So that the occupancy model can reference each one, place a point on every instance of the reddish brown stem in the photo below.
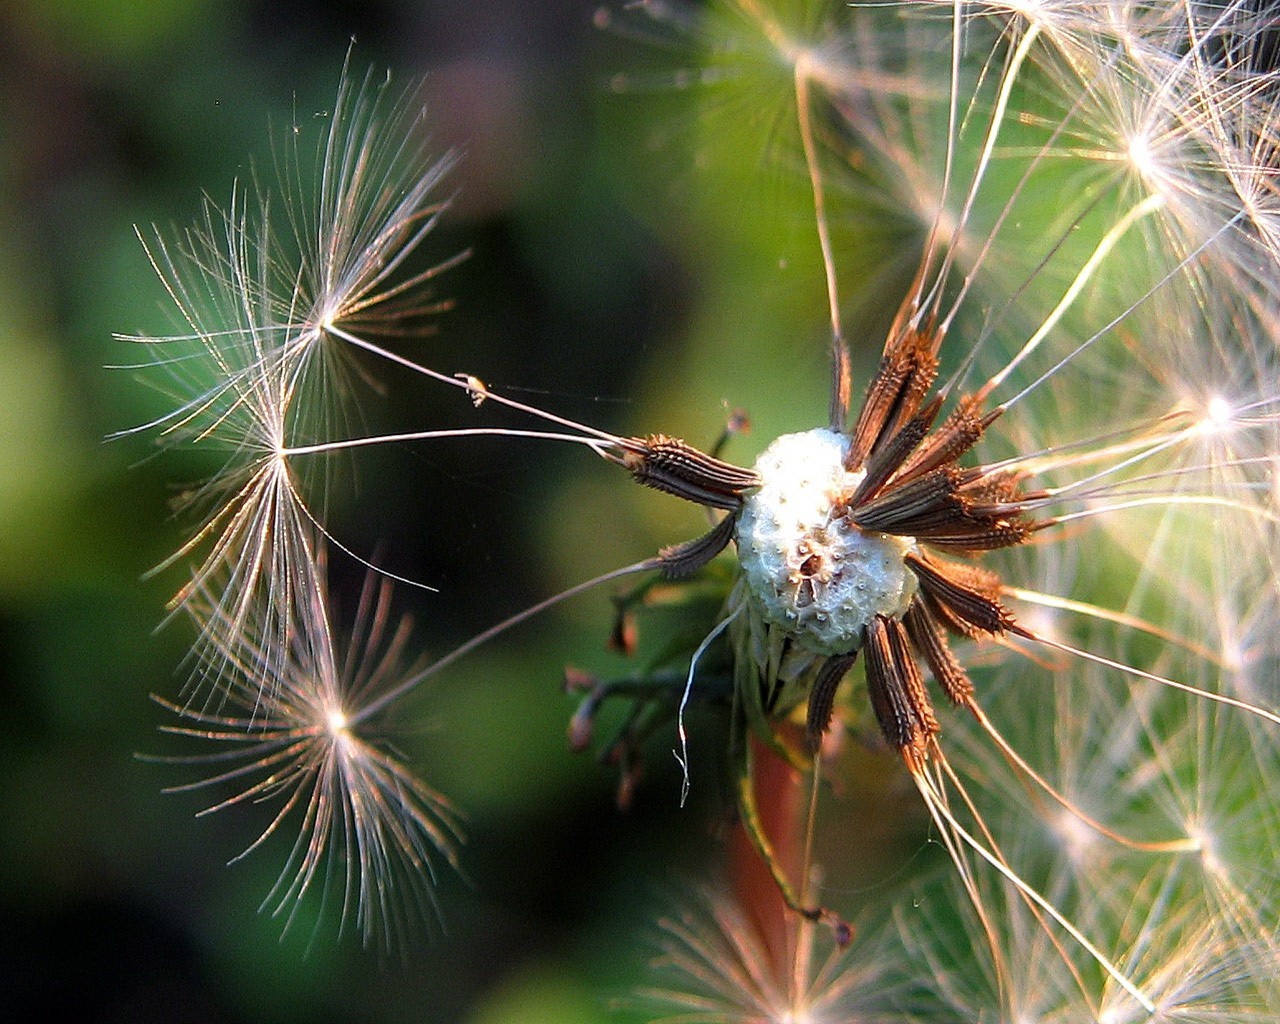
(780, 798)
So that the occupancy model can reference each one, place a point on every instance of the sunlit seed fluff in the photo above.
(811, 571)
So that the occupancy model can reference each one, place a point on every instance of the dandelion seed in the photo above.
(372, 837)
(268, 300)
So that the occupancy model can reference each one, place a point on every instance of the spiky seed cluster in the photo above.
(809, 568)
(834, 530)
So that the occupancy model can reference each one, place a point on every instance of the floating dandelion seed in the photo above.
(268, 298)
(274, 322)
(307, 741)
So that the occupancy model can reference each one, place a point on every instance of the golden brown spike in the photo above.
(968, 592)
(889, 456)
(959, 432)
(909, 510)
(822, 696)
(931, 644)
(895, 394)
(897, 691)
(671, 465)
(682, 560)
(982, 536)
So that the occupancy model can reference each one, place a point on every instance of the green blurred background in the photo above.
(632, 266)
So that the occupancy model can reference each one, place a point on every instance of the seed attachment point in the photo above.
(810, 569)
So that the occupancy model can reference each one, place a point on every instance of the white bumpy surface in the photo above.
(813, 573)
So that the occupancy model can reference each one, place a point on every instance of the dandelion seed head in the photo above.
(713, 965)
(811, 571)
(1163, 319)
(305, 718)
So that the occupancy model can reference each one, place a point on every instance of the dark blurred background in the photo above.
(611, 279)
